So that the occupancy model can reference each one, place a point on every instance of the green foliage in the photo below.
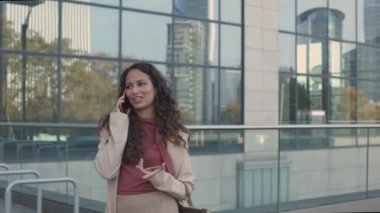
(88, 88)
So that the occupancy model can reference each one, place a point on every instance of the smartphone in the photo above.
(126, 105)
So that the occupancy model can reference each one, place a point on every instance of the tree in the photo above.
(230, 114)
(88, 88)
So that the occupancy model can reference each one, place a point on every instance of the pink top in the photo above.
(130, 177)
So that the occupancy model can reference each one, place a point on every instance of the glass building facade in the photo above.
(331, 74)
(60, 60)
(241, 67)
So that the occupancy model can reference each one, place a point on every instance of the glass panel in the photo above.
(11, 87)
(33, 28)
(287, 15)
(287, 100)
(368, 62)
(368, 18)
(230, 46)
(161, 67)
(312, 17)
(231, 11)
(39, 98)
(231, 88)
(188, 88)
(196, 91)
(310, 55)
(342, 19)
(302, 99)
(373, 168)
(342, 61)
(105, 2)
(195, 42)
(84, 84)
(138, 40)
(287, 53)
(160, 6)
(208, 142)
(368, 96)
(310, 100)
(348, 162)
(27, 144)
(197, 8)
(89, 30)
(342, 100)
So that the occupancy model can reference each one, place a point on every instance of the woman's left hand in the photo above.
(149, 171)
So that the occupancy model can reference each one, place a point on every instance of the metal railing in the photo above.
(362, 132)
(8, 191)
(4, 166)
(25, 172)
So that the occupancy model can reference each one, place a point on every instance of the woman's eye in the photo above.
(128, 87)
(141, 84)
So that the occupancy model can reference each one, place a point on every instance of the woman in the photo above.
(143, 146)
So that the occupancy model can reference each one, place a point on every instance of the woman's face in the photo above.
(139, 90)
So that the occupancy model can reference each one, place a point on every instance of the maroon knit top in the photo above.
(154, 153)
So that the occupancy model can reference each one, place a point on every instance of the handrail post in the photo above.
(367, 165)
(8, 191)
(24, 172)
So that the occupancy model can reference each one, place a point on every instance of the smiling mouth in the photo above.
(137, 100)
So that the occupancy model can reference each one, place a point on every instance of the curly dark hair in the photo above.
(166, 112)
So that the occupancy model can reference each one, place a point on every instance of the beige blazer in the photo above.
(108, 160)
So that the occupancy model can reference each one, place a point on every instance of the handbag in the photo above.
(190, 208)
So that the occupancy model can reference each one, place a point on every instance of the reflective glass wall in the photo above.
(329, 60)
(60, 59)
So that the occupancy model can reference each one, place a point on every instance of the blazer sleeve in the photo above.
(164, 181)
(111, 146)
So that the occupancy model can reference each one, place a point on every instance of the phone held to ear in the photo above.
(125, 105)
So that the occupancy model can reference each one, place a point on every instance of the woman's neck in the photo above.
(145, 114)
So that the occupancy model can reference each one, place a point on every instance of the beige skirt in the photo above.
(152, 202)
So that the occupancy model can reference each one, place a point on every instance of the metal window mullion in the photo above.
(120, 49)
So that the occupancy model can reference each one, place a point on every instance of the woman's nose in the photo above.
(135, 90)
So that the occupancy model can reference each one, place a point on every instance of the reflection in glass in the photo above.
(342, 15)
(187, 83)
(368, 62)
(207, 142)
(145, 36)
(105, 2)
(89, 30)
(159, 6)
(287, 53)
(231, 11)
(287, 15)
(188, 42)
(302, 99)
(368, 19)
(30, 28)
(196, 90)
(367, 94)
(230, 100)
(312, 17)
(194, 42)
(34, 100)
(310, 55)
(197, 8)
(342, 100)
(287, 99)
(84, 83)
(367, 101)
(342, 59)
(229, 50)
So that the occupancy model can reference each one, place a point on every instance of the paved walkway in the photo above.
(15, 208)
(368, 205)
